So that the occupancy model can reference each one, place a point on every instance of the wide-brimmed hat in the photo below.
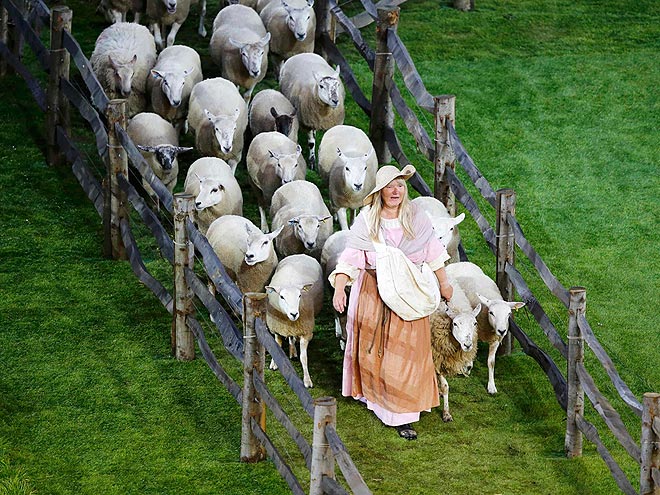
(387, 174)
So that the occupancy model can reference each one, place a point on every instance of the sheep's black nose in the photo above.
(357, 187)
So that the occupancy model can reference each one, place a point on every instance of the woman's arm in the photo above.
(339, 297)
(446, 290)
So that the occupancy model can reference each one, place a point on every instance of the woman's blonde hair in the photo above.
(405, 214)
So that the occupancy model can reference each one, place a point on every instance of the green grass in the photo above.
(555, 99)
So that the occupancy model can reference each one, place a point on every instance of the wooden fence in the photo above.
(20, 23)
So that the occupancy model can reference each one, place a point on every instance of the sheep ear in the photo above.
(339, 153)
(274, 234)
(451, 312)
(209, 115)
(459, 218)
(483, 300)
(264, 41)
(156, 74)
(182, 149)
(323, 219)
(187, 72)
(237, 113)
(368, 154)
(270, 289)
(134, 59)
(199, 178)
(149, 149)
(476, 310)
(306, 287)
(235, 43)
(516, 305)
(310, 3)
(247, 228)
(316, 76)
(274, 155)
(298, 151)
(273, 112)
(294, 221)
(295, 111)
(337, 69)
(112, 62)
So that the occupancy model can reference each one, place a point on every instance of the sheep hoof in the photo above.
(273, 366)
(308, 383)
(446, 417)
(492, 390)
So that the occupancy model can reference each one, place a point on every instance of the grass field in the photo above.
(555, 99)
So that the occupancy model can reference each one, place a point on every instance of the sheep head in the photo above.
(499, 312)
(252, 54)
(328, 89)
(464, 326)
(123, 73)
(306, 228)
(165, 153)
(298, 19)
(224, 127)
(170, 6)
(444, 227)
(259, 246)
(287, 298)
(355, 168)
(283, 121)
(211, 192)
(286, 165)
(172, 83)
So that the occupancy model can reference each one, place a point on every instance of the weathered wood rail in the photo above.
(443, 152)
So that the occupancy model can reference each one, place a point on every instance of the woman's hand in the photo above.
(339, 300)
(446, 291)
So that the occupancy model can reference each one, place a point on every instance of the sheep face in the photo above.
(224, 127)
(498, 313)
(444, 227)
(355, 169)
(297, 19)
(283, 121)
(286, 165)
(327, 89)
(464, 326)
(306, 228)
(165, 153)
(171, 84)
(123, 72)
(287, 299)
(259, 245)
(252, 54)
(170, 6)
(211, 192)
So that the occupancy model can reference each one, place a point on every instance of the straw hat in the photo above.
(387, 174)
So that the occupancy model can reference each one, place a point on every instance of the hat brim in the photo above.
(387, 174)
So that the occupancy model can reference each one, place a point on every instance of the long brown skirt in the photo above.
(392, 361)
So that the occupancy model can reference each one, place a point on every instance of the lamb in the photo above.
(453, 341)
(176, 72)
(218, 116)
(272, 160)
(444, 226)
(159, 143)
(295, 297)
(216, 191)
(316, 92)
(493, 319)
(330, 254)
(123, 55)
(307, 222)
(247, 254)
(292, 24)
(239, 45)
(117, 10)
(348, 164)
(164, 14)
(270, 110)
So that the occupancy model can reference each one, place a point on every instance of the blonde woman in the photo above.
(387, 361)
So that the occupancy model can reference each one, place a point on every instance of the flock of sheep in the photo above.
(290, 258)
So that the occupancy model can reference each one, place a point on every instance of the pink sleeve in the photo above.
(435, 250)
(354, 257)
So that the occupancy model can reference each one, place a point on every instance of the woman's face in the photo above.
(392, 194)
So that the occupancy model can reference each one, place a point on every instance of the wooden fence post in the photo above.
(183, 340)
(506, 203)
(575, 407)
(4, 38)
(254, 359)
(323, 460)
(445, 109)
(650, 449)
(382, 114)
(60, 21)
(58, 70)
(115, 198)
(325, 24)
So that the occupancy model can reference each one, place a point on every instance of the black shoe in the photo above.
(406, 431)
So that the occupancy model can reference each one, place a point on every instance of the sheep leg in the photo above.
(233, 163)
(155, 30)
(292, 348)
(341, 218)
(492, 350)
(248, 94)
(304, 342)
(262, 218)
(311, 142)
(273, 365)
(172, 36)
(444, 391)
(136, 18)
(202, 14)
(115, 16)
(339, 332)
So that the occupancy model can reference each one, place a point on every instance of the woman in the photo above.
(387, 361)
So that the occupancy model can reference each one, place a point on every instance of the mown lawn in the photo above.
(555, 99)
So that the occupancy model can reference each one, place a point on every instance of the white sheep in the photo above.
(495, 311)
(295, 297)
(272, 160)
(176, 72)
(270, 110)
(217, 114)
(247, 254)
(348, 164)
(123, 55)
(453, 341)
(239, 45)
(317, 93)
(307, 221)
(248, 3)
(164, 14)
(261, 4)
(330, 254)
(444, 225)
(211, 181)
(159, 144)
(117, 10)
(292, 25)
